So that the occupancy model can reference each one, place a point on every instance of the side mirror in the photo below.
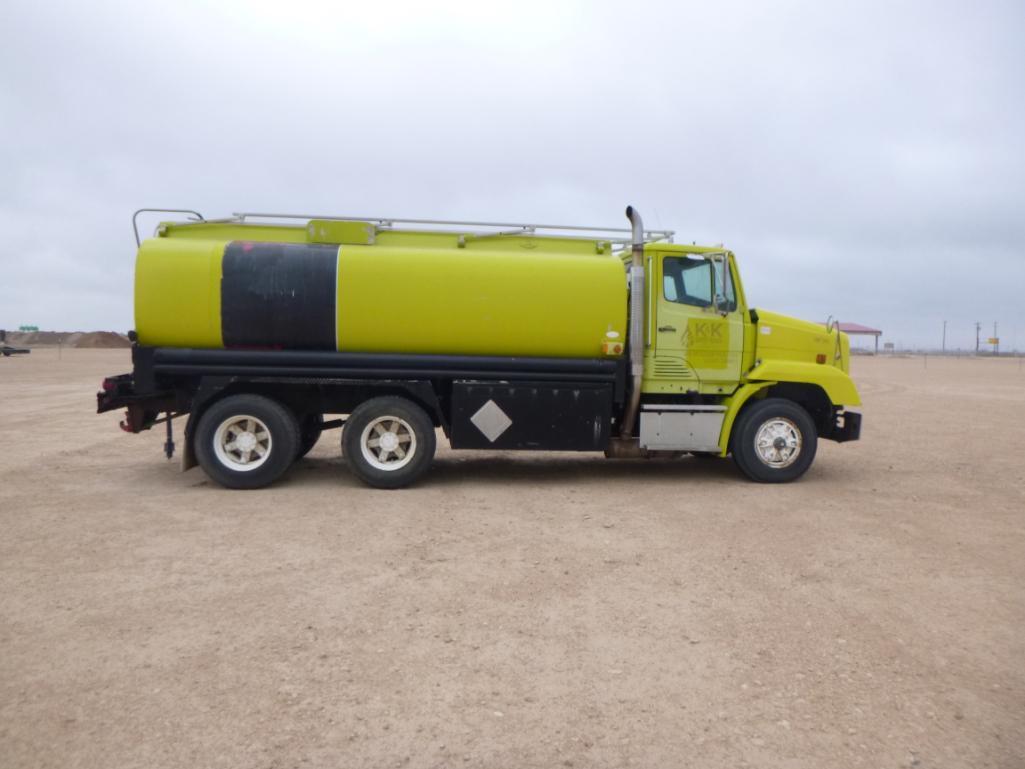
(720, 302)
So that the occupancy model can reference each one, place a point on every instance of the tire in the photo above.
(231, 422)
(310, 428)
(414, 441)
(779, 426)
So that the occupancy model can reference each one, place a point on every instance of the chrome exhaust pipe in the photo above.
(636, 322)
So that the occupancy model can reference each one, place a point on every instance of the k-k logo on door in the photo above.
(708, 344)
(706, 331)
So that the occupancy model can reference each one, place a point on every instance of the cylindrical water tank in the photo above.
(520, 300)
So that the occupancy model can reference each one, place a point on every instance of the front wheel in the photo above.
(388, 442)
(246, 441)
(774, 441)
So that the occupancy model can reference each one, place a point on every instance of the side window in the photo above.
(697, 282)
(687, 280)
(669, 283)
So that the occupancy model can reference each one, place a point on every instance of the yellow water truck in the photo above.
(503, 336)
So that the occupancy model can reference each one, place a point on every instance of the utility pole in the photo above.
(996, 340)
(978, 328)
(944, 337)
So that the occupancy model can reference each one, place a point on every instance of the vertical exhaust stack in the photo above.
(636, 322)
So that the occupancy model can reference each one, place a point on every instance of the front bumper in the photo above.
(847, 427)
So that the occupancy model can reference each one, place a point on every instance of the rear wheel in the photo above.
(246, 441)
(774, 441)
(388, 442)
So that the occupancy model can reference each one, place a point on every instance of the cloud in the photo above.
(863, 160)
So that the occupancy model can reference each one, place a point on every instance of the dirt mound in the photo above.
(41, 338)
(91, 339)
(96, 339)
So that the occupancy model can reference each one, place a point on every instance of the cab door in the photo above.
(697, 319)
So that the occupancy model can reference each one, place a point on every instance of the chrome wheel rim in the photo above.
(388, 443)
(242, 442)
(778, 443)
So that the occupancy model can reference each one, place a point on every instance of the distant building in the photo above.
(856, 329)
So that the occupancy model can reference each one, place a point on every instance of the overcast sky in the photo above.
(864, 160)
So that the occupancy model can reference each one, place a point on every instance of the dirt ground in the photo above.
(517, 610)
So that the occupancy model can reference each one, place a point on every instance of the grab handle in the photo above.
(135, 217)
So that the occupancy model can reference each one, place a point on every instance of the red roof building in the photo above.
(856, 329)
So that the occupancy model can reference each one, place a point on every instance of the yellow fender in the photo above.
(838, 385)
(733, 406)
(839, 388)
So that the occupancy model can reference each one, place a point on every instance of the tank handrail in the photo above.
(389, 222)
(135, 217)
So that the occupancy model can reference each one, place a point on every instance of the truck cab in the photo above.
(696, 326)
(709, 357)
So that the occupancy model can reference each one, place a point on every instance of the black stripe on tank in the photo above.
(278, 295)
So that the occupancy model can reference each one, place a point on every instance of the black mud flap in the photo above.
(188, 452)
